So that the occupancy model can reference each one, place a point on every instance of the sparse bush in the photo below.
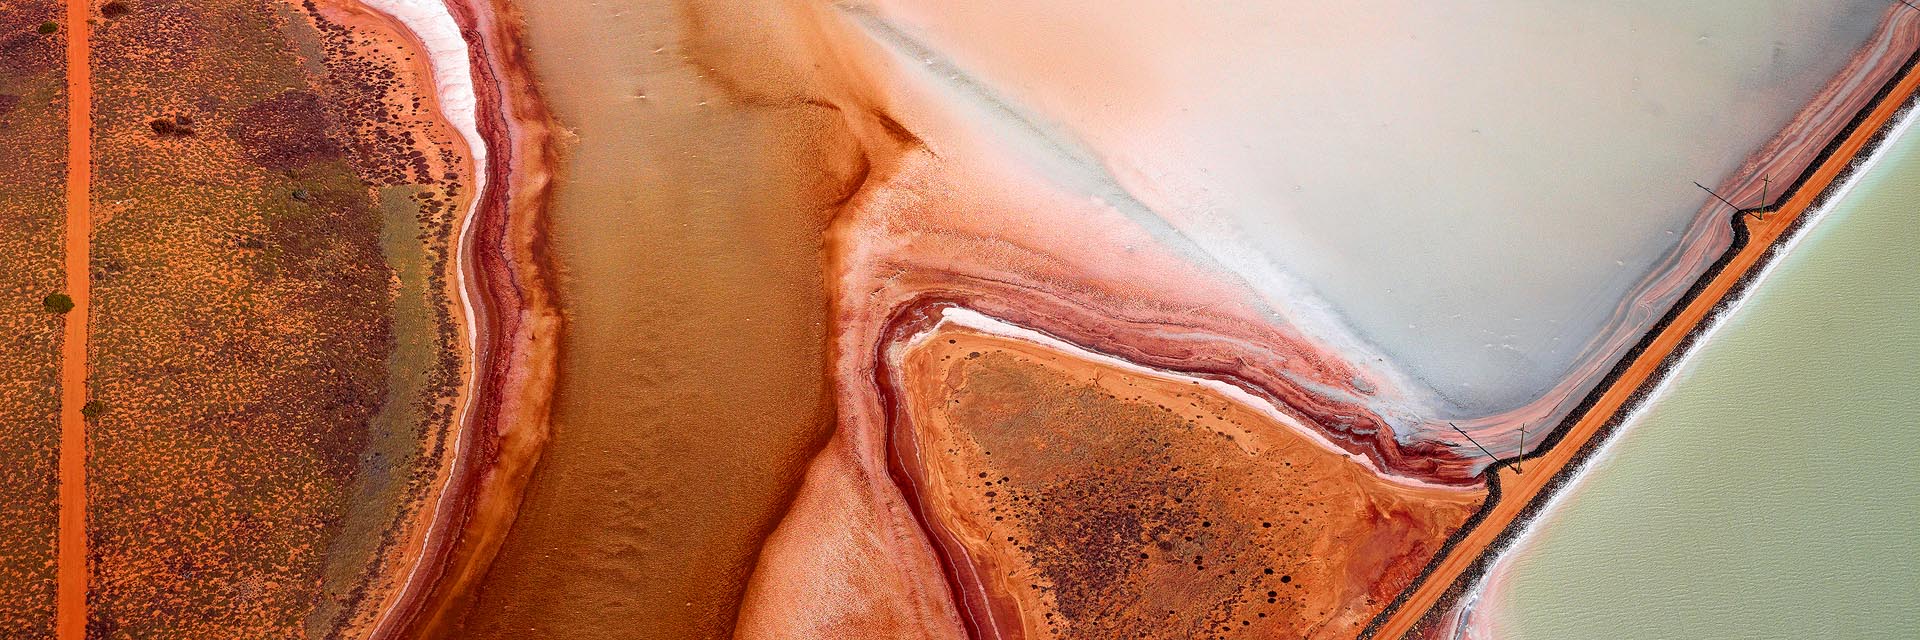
(49, 27)
(93, 408)
(57, 303)
(178, 126)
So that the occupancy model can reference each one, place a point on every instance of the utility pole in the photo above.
(1517, 459)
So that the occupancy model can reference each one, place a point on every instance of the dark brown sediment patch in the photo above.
(287, 131)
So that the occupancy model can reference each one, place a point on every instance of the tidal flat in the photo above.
(754, 191)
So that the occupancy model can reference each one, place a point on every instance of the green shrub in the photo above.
(49, 27)
(57, 303)
(93, 408)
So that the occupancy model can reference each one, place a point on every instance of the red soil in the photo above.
(1074, 498)
(936, 215)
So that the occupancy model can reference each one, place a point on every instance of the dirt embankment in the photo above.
(1764, 180)
(1760, 233)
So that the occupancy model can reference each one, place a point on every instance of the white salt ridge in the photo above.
(449, 57)
(963, 317)
(1056, 155)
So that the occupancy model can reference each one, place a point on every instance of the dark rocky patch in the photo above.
(287, 131)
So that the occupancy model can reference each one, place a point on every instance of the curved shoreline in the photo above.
(452, 99)
(512, 326)
(511, 421)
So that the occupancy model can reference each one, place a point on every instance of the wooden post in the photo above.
(1522, 456)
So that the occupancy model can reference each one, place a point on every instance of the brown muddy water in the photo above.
(686, 229)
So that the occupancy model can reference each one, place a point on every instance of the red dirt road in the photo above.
(70, 601)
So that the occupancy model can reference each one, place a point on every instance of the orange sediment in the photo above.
(70, 613)
(1189, 509)
(1519, 491)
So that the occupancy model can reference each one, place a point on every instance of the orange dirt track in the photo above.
(71, 600)
(1519, 491)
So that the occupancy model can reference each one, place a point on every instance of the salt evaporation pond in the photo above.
(1466, 194)
(1766, 496)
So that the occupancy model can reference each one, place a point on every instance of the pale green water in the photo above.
(1775, 492)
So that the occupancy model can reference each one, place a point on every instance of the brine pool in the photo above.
(1772, 493)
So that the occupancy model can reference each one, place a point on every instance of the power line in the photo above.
(1716, 196)
(1490, 456)
(1475, 442)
